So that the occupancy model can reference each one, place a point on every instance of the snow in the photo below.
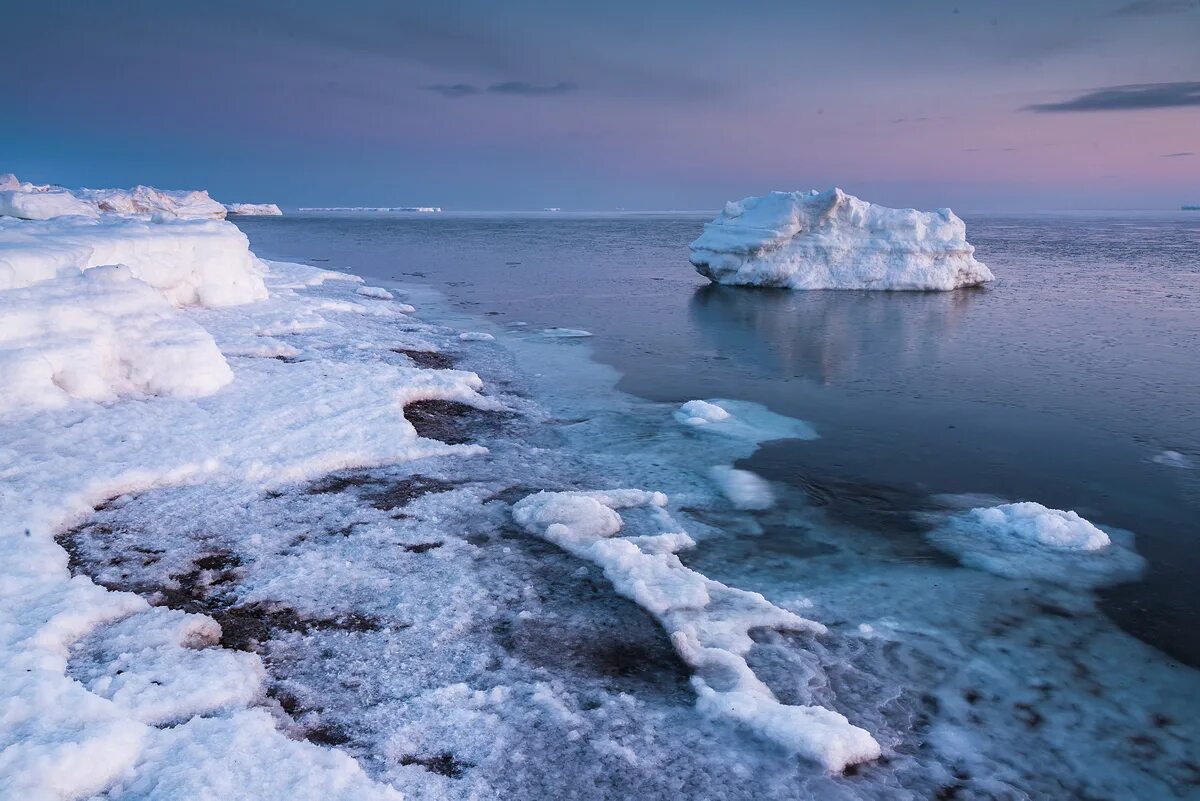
(1028, 540)
(709, 623)
(113, 380)
(197, 262)
(43, 202)
(43, 205)
(99, 335)
(159, 203)
(699, 413)
(254, 209)
(832, 240)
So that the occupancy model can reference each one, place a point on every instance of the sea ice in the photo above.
(1028, 540)
(709, 623)
(832, 240)
(744, 489)
(376, 292)
(1173, 459)
(741, 420)
(254, 209)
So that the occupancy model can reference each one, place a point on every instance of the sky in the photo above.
(668, 104)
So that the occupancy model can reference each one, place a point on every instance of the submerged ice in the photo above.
(832, 240)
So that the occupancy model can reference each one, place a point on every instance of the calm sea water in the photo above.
(1060, 383)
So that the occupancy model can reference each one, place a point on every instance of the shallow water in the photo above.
(1060, 383)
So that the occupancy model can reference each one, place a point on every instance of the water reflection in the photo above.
(828, 336)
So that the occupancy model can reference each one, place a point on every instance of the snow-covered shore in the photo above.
(385, 557)
(832, 240)
(144, 353)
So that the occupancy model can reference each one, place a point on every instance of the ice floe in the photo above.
(1028, 540)
(832, 240)
(741, 420)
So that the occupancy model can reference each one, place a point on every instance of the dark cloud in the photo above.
(1177, 155)
(520, 88)
(523, 88)
(1153, 8)
(454, 89)
(1128, 98)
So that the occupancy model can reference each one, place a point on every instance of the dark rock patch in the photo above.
(444, 764)
(429, 359)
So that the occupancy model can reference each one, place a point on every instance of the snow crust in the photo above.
(1028, 540)
(832, 240)
(709, 623)
(254, 209)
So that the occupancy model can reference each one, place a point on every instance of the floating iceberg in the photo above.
(832, 240)
(254, 209)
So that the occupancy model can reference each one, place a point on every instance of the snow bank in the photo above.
(200, 262)
(100, 335)
(708, 622)
(43, 202)
(146, 200)
(254, 209)
(1027, 540)
(127, 307)
(832, 240)
(43, 205)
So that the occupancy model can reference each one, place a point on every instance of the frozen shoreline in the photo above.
(413, 551)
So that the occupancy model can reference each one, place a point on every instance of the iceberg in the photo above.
(254, 209)
(833, 240)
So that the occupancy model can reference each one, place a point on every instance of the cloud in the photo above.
(1153, 8)
(1177, 155)
(453, 89)
(523, 88)
(1128, 98)
(519, 88)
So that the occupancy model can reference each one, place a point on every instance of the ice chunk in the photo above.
(9, 181)
(374, 292)
(709, 623)
(1028, 540)
(746, 490)
(1173, 459)
(699, 413)
(832, 240)
(475, 336)
(254, 209)
(99, 335)
(742, 420)
(565, 333)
